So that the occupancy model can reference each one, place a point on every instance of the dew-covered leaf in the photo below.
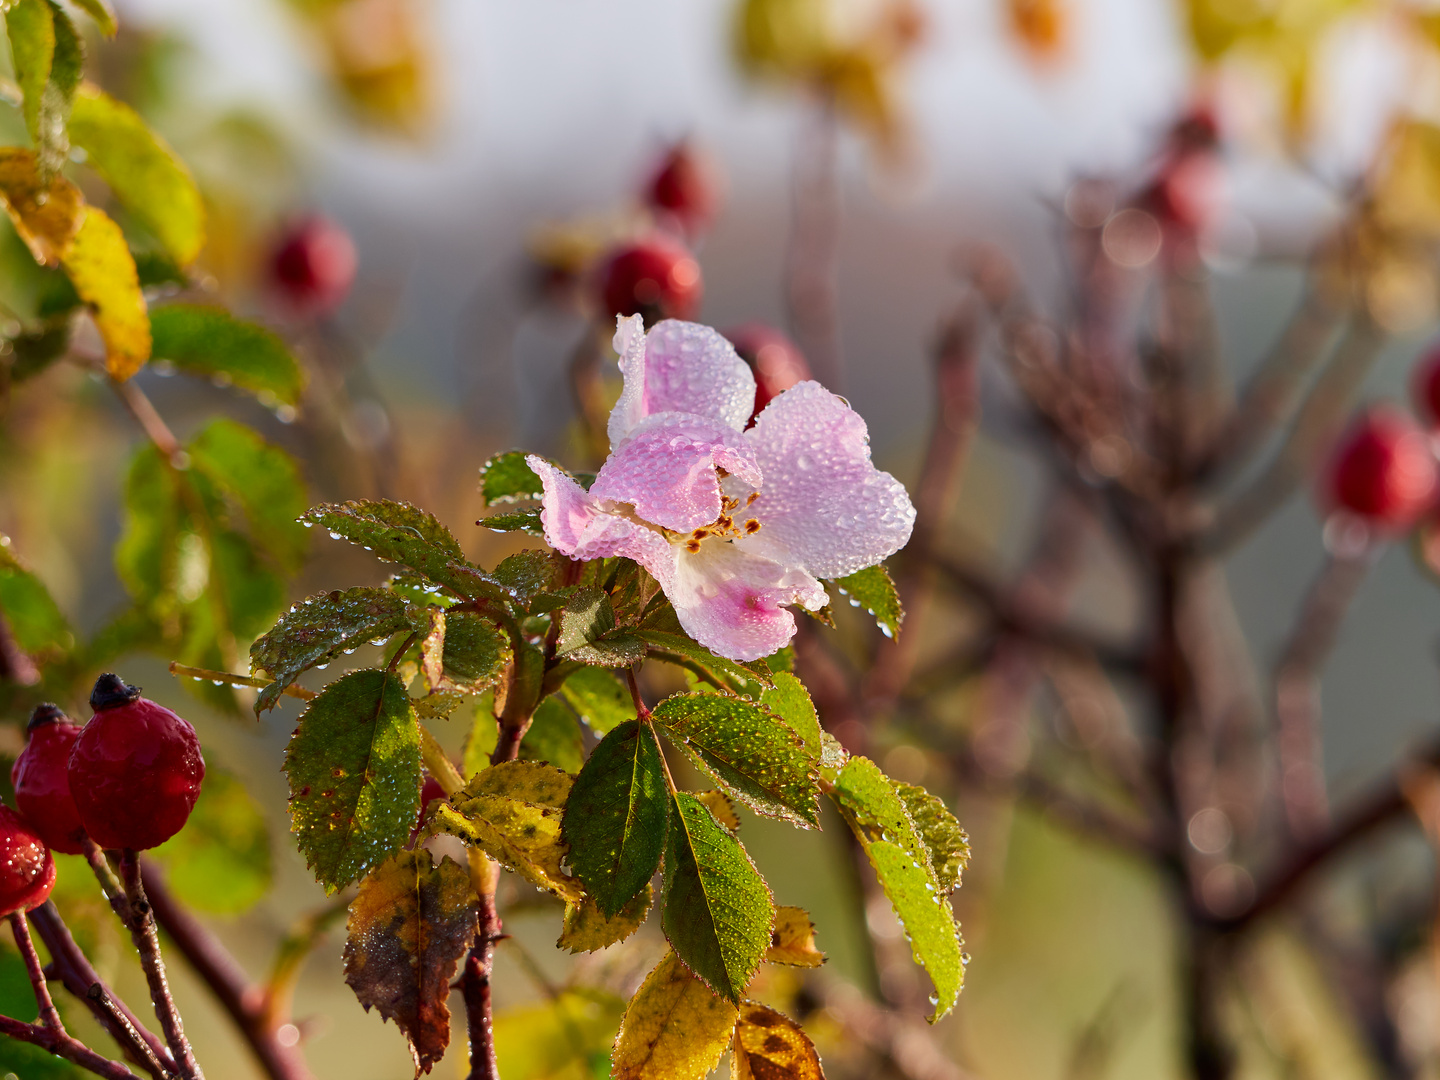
(568, 1038)
(946, 841)
(480, 741)
(598, 698)
(793, 939)
(475, 652)
(354, 768)
(31, 612)
(507, 478)
(527, 521)
(676, 648)
(99, 264)
(588, 633)
(46, 214)
(718, 913)
(318, 629)
(401, 533)
(748, 750)
(903, 865)
(789, 700)
(771, 1046)
(529, 781)
(213, 344)
(586, 927)
(873, 590)
(409, 926)
(529, 577)
(220, 861)
(675, 1028)
(616, 817)
(142, 171)
(554, 736)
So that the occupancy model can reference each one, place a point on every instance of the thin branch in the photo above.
(140, 407)
(812, 256)
(49, 1016)
(65, 1046)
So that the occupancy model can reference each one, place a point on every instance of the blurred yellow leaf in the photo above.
(793, 939)
(101, 268)
(1406, 191)
(46, 216)
(771, 1046)
(674, 1027)
(565, 1039)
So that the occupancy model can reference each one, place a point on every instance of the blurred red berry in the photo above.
(1383, 470)
(656, 278)
(428, 794)
(776, 361)
(684, 188)
(1425, 387)
(42, 783)
(27, 869)
(313, 266)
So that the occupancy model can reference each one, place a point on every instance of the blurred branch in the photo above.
(812, 258)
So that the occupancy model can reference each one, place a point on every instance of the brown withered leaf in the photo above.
(409, 926)
(674, 1027)
(771, 1046)
(793, 939)
(46, 216)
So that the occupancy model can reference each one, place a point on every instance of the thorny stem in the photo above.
(49, 1015)
(142, 931)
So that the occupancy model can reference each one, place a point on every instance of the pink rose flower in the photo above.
(734, 524)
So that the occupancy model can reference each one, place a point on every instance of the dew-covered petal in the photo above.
(579, 525)
(731, 601)
(665, 468)
(823, 505)
(678, 367)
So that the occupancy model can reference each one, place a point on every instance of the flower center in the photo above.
(725, 526)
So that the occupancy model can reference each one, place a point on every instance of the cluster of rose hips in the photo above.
(1383, 469)
(127, 779)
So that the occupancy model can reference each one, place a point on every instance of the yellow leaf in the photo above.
(521, 835)
(674, 1027)
(1407, 188)
(529, 781)
(586, 928)
(102, 270)
(719, 804)
(771, 1046)
(793, 939)
(46, 216)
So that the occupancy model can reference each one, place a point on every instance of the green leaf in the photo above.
(588, 633)
(567, 1038)
(408, 928)
(747, 749)
(789, 700)
(32, 1063)
(484, 734)
(476, 651)
(718, 911)
(879, 818)
(220, 861)
(354, 768)
(262, 480)
(873, 590)
(554, 736)
(322, 627)
(942, 835)
(39, 628)
(600, 699)
(398, 532)
(100, 266)
(676, 648)
(530, 579)
(586, 928)
(616, 817)
(507, 478)
(48, 56)
(32, 352)
(100, 11)
(527, 521)
(213, 344)
(145, 174)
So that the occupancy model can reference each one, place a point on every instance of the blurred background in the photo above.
(486, 158)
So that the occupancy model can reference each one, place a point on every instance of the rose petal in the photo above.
(678, 367)
(665, 468)
(823, 505)
(730, 600)
(579, 525)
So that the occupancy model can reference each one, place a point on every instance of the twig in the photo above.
(812, 256)
(63, 1045)
(147, 944)
(140, 407)
(49, 1016)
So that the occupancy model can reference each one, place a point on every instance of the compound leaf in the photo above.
(212, 343)
(354, 768)
(771, 1046)
(748, 750)
(408, 928)
(616, 816)
(718, 912)
(674, 1027)
(873, 590)
(588, 634)
(677, 648)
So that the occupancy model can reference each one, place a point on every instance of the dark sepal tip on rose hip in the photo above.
(135, 771)
(41, 779)
(27, 869)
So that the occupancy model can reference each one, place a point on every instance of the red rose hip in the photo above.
(313, 266)
(655, 278)
(1383, 470)
(777, 361)
(1425, 387)
(42, 782)
(135, 771)
(27, 869)
(683, 188)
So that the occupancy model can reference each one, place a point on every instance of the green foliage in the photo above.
(35, 619)
(873, 590)
(476, 651)
(600, 699)
(210, 342)
(317, 630)
(527, 521)
(530, 578)
(408, 928)
(48, 56)
(354, 769)
(946, 841)
(507, 478)
(906, 871)
(144, 173)
(748, 750)
(673, 646)
(32, 1063)
(220, 861)
(790, 701)
(261, 480)
(554, 736)
(718, 912)
(569, 1036)
(588, 632)
(616, 818)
